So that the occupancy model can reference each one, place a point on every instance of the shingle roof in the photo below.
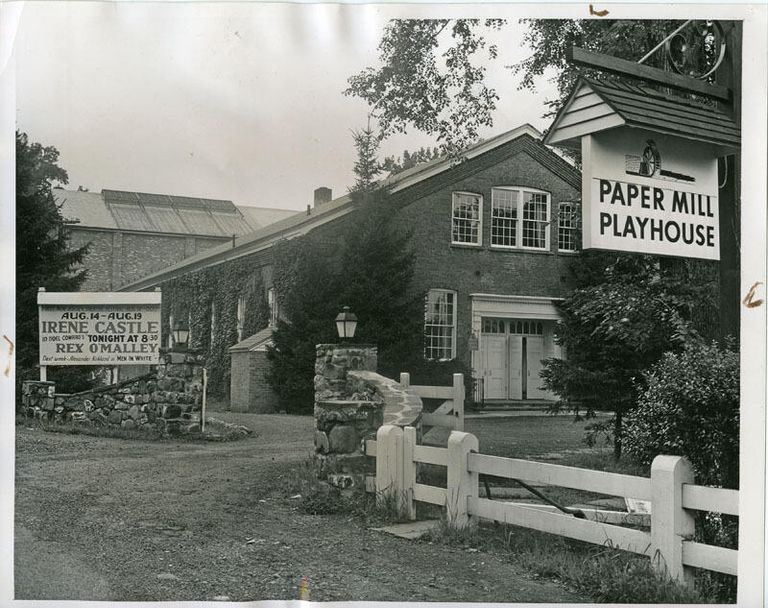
(144, 212)
(648, 108)
(257, 340)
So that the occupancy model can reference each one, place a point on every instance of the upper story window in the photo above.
(466, 224)
(440, 325)
(520, 218)
(567, 224)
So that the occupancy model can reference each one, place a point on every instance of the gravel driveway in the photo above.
(112, 519)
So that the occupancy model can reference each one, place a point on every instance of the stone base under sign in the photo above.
(167, 400)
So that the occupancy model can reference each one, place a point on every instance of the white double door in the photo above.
(511, 366)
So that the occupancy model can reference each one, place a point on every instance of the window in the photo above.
(170, 330)
(240, 317)
(504, 218)
(440, 325)
(567, 223)
(519, 218)
(466, 226)
(213, 322)
(273, 307)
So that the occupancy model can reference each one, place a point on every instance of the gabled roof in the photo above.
(596, 106)
(524, 138)
(162, 213)
(257, 341)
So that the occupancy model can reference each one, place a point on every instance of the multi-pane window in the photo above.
(526, 327)
(535, 219)
(519, 218)
(512, 326)
(466, 224)
(440, 325)
(567, 224)
(504, 217)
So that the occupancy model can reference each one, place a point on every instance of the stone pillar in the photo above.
(179, 392)
(37, 396)
(344, 416)
(332, 363)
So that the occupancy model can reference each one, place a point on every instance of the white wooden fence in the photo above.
(450, 414)
(670, 489)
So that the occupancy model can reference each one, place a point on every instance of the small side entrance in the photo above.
(511, 352)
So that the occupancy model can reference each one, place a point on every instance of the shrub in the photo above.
(691, 408)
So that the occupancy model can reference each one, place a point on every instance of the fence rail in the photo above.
(670, 490)
(450, 414)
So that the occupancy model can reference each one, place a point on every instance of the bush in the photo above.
(691, 408)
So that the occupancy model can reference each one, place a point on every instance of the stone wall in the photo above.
(168, 399)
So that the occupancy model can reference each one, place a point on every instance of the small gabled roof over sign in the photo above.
(597, 106)
(257, 342)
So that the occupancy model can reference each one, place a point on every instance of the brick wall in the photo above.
(116, 258)
(99, 258)
(250, 391)
(240, 390)
(469, 269)
(263, 398)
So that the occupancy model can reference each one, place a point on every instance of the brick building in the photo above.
(133, 234)
(492, 235)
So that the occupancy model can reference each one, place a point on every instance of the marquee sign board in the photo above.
(651, 193)
(99, 328)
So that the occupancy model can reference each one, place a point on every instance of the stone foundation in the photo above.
(168, 399)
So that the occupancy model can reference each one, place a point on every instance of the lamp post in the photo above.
(180, 336)
(346, 323)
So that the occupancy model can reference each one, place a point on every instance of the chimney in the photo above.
(323, 195)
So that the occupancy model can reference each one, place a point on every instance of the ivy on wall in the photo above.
(195, 295)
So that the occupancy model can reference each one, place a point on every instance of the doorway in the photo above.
(511, 354)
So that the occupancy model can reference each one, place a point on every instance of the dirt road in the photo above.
(111, 519)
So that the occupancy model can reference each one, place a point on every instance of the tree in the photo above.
(367, 166)
(44, 257)
(371, 273)
(394, 165)
(444, 96)
(690, 407)
(550, 39)
(613, 329)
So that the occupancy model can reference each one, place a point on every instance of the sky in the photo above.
(235, 101)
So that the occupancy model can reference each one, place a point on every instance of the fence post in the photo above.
(405, 379)
(462, 484)
(670, 523)
(409, 472)
(389, 441)
(459, 395)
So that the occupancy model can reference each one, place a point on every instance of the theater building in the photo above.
(493, 236)
(133, 234)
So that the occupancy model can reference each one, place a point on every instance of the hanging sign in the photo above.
(99, 328)
(649, 193)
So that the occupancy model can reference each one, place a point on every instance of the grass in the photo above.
(605, 574)
(320, 498)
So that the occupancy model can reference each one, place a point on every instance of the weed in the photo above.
(604, 573)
